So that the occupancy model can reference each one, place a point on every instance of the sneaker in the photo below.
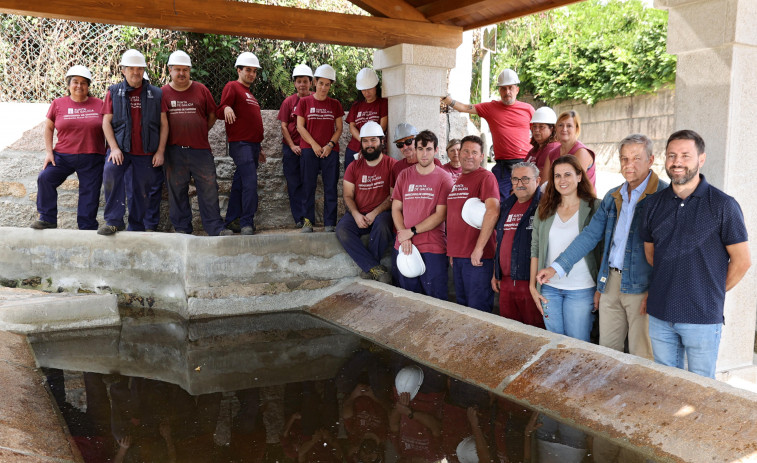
(381, 274)
(234, 226)
(247, 230)
(109, 230)
(329, 228)
(226, 232)
(42, 225)
(307, 226)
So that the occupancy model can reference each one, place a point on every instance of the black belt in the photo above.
(616, 269)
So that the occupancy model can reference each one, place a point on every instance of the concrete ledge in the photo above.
(665, 413)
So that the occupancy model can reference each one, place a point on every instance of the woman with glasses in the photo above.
(566, 207)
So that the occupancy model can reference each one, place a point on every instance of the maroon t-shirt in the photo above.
(539, 156)
(79, 125)
(362, 112)
(455, 173)
(414, 439)
(402, 164)
(508, 236)
(461, 237)
(420, 194)
(136, 119)
(188, 113)
(320, 119)
(367, 416)
(288, 114)
(372, 183)
(249, 124)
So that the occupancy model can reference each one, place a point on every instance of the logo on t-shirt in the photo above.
(248, 95)
(70, 110)
(312, 110)
(173, 104)
(359, 113)
(365, 179)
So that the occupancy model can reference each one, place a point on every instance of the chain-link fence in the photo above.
(35, 54)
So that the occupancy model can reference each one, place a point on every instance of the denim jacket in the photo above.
(540, 238)
(520, 261)
(636, 270)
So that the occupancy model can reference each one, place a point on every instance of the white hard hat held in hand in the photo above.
(411, 265)
(473, 212)
(466, 450)
(409, 379)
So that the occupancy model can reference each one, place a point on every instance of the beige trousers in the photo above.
(619, 317)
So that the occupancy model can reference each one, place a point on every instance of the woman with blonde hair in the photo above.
(567, 133)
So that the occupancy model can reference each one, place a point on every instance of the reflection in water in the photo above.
(284, 388)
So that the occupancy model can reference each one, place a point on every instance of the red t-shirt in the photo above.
(480, 184)
(249, 124)
(508, 235)
(367, 416)
(320, 119)
(362, 112)
(188, 113)
(510, 126)
(136, 119)
(288, 114)
(79, 125)
(540, 156)
(455, 173)
(420, 194)
(414, 439)
(372, 183)
(402, 164)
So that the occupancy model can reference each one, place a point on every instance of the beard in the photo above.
(371, 154)
(688, 174)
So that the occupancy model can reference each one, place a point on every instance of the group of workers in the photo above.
(655, 260)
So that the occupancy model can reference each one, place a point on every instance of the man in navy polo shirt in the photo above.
(695, 239)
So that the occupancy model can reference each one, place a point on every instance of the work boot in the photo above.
(248, 230)
(329, 228)
(307, 226)
(381, 274)
(226, 232)
(298, 224)
(234, 226)
(109, 230)
(42, 225)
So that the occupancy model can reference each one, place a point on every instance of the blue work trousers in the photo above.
(433, 282)
(348, 233)
(293, 174)
(473, 286)
(89, 170)
(349, 156)
(144, 179)
(329, 169)
(243, 199)
(181, 165)
(155, 196)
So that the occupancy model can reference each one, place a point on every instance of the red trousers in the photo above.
(516, 303)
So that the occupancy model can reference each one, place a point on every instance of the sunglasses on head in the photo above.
(407, 142)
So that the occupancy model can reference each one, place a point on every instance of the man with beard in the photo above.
(696, 241)
(367, 197)
(419, 208)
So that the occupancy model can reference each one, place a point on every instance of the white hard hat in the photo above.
(466, 450)
(544, 115)
(555, 452)
(366, 79)
(409, 379)
(507, 77)
(302, 70)
(371, 129)
(80, 71)
(179, 58)
(133, 58)
(404, 130)
(247, 59)
(411, 265)
(473, 212)
(325, 71)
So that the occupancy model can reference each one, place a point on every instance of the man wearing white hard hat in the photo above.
(136, 129)
(369, 107)
(240, 111)
(419, 208)
(404, 140)
(290, 163)
(508, 121)
(367, 197)
(191, 113)
(80, 148)
(319, 122)
(471, 247)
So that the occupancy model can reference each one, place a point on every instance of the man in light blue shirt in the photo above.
(624, 273)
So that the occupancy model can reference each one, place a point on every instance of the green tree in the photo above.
(589, 51)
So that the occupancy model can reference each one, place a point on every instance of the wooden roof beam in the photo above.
(245, 19)
(518, 13)
(396, 9)
(447, 10)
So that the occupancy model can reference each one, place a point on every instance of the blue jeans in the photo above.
(348, 234)
(434, 280)
(89, 170)
(700, 342)
(473, 286)
(243, 198)
(290, 164)
(569, 311)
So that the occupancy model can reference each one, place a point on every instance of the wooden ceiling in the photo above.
(425, 22)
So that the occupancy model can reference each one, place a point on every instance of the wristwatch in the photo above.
(415, 232)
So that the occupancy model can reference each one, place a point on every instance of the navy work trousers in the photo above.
(144, 179)
(243, 198)
(348, 233)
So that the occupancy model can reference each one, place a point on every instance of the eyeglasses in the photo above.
(409, 142)
(523, 180)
